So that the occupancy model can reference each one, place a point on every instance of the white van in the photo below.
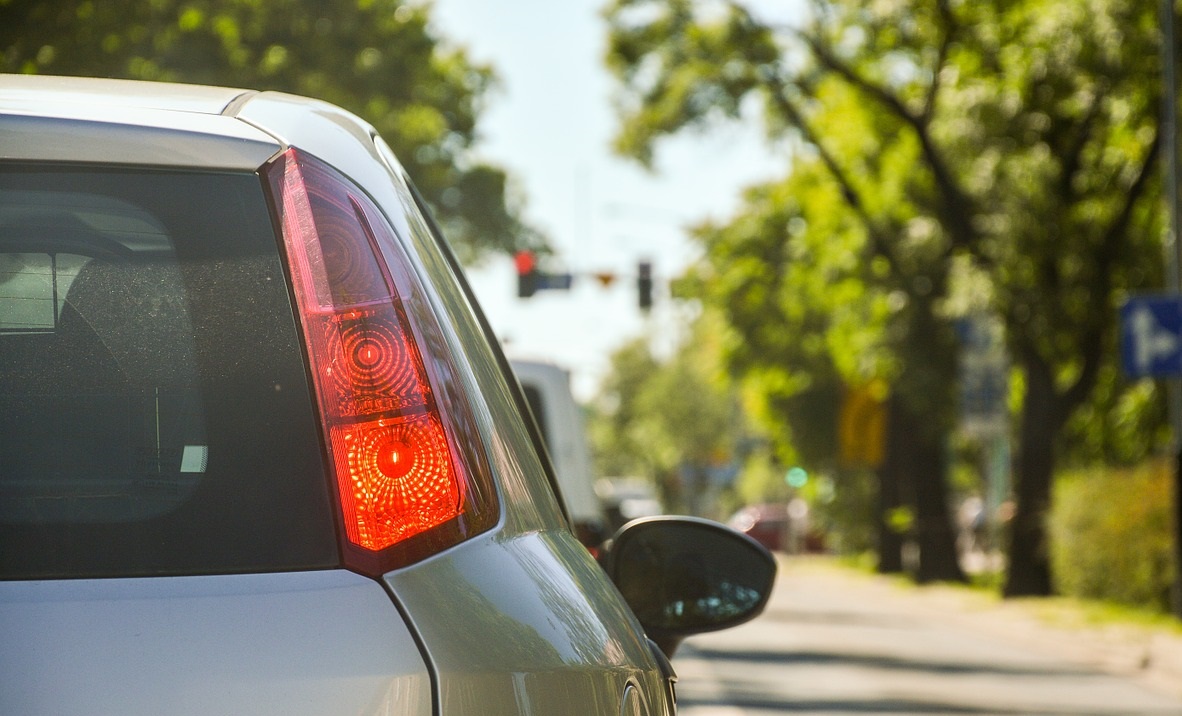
(547, 389)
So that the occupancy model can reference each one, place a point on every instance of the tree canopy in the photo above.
(380, 59)
(992, 156)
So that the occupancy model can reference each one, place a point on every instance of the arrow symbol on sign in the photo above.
(1150, 340)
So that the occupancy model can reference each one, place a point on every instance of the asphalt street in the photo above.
(834, 642)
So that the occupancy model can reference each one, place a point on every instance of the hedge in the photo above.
(1111, 535)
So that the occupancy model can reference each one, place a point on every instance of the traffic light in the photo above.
(644, 285)
(527, 273)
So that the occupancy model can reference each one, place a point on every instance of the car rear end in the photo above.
(248, 414)
(167, 538)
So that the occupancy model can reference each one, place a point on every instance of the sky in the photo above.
(550, 125)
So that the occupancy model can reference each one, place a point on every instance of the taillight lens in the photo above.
(407, 486)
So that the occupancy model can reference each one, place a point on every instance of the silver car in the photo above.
(259, 453)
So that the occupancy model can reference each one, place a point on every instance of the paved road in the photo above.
(832, 642)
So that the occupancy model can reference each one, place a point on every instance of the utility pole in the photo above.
(1169, 126)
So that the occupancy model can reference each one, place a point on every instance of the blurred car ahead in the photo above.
(627, 498)
(560, 420)
(258, 451)
(767, 524)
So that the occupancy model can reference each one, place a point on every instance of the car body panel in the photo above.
(326, 131)
(565, 641)
(518, 620)
(296, 643)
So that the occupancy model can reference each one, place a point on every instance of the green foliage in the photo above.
(1056, 108)
(617, 447)
(377, 58)
(843, 508)
(994, 157)
(701, 70)
(901, 520)
(1112, 535)
(801, 320)
(1124, 424)
(1016, 135)
(657, 419)
(761, 480)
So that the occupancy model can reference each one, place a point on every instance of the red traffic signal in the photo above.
(527, 273)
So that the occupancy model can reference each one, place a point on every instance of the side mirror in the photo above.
(685, 575)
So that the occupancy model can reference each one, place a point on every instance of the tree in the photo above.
(809, 318)
(377, 58)
(1032, 133)
(673, 421)
(618, 448)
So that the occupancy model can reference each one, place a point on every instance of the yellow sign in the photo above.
(861, 429)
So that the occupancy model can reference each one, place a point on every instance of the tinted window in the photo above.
(154, 411)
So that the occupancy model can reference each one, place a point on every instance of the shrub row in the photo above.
(1111, 535)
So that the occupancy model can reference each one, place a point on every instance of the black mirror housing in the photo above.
(685, 575)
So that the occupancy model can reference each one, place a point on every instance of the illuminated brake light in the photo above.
(401, 482)
(403, 487)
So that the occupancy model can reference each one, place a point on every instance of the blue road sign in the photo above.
(559, 281)
(1151, 336)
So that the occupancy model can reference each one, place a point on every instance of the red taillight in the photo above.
(403, 486)
(396, 479)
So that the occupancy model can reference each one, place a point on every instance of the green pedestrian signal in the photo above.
(797, 477)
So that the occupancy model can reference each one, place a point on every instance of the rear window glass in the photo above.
(154, 410)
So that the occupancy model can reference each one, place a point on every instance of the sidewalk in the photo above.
(1149, 654)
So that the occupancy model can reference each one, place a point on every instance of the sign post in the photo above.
(1151, 347)
(984, 370)
(1173, 262)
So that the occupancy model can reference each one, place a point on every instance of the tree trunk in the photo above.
(1029, 572)
(892, 487)
(890, 540)
(922, 461)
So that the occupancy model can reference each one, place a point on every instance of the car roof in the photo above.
(130, 122)
(53, 96)
(112, 122)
